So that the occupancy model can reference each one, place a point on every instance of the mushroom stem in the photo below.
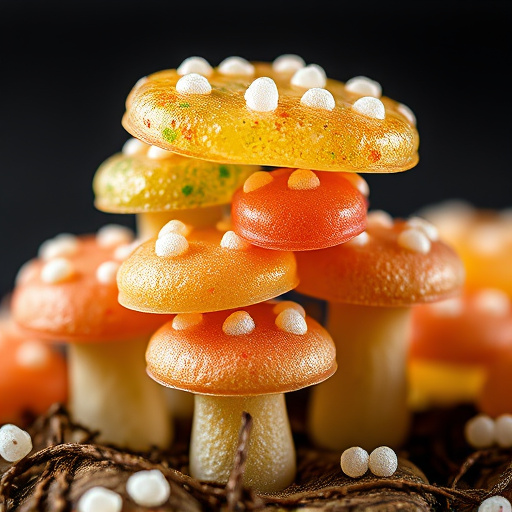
(365, 402)
(111, 392)
(270, 464)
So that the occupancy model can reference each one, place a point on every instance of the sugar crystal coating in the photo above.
(230, 240)
(424, 225)
(148, 488)
(364, 86)
(236, 66)
(100, 499)
(107, 272)
(479, 431)
(380, 217)
(170, 245)
(407, 113)
(495, 504)
(262, 95)
(287, 304)
(111, 235)
(186, 320)
(15, 443)
(174, 226)
(383, 461)
(303, 179)
(32, 354)
(64, 244)
(57, 270)
(134, 146)
(193, 83)
(238, 323)
(288, 63)
(371, 107)
(354, 461)
(309, 77)
(290, 320)
(257, 180)
(414, 240)
(195, 65)
(317, 97)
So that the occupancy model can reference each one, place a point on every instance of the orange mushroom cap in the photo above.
(77, 301)
(244, 352)
(213, 271)
(392, 263)
(298, 209)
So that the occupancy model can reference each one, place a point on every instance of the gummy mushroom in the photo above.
(298, 209)
(495, 398)
(242, 360)
(454, 343)
(370, 284)
(70, 294)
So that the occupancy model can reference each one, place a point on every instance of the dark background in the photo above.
(66, 69)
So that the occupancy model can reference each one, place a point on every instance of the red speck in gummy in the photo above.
(147, 122)
(244, 355)
(211, 290)
(374, 156)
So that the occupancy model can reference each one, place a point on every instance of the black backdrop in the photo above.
(66, 69)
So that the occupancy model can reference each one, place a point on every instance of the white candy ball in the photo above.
(383, 461)
(148, 488)
(15, 444)
(503, 430)
(99, 499)
(495, 504)
(354, 461)
(480, 431)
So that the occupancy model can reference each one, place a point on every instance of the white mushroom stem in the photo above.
(111, 392)
(365, 402)
(270, 462)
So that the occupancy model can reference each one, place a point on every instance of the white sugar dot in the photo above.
(414, 240)
(309, 77)
(424, 225)
(407, 113)
(303, 179)
(186, 320)
(56, 271)
(492, 301)
(64, 244)
(479, 431)
(230, 240)
(156, 153)
(141, 81)
(32, 354)
(358, 182)
(287, 304)
(171, 244)
(257, 180)
(106, 273)
(360, 240)
(379, 218)
(370, 107)
(195, 65)
(364, 86)
(193, 83)
(174, 226)
(134, 147)
(383, 461)
(354, 461)
(448, 308)
(26, 272)
(288, 63)
(503, 430)
(148, 488)
(238, 323)
(318, 98)
(112, 235)
(495, 504)
(99, 499)
(262, 95)
(15, 444)
(290, 320)
(236, 66)
(123, 251)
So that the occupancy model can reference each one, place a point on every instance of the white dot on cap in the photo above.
(379, 218)
(184, 321)
(56, 271)
(134, 147)
(289, 304)
(407, 113)
(236, 66)
(15, 443)
(257, 180)
(309, 77)
(370, 107)
(156, 153)
(32, 354)
(290, 320)
(238, 323)
(414, 240)
(124, 250)
(318, 98)
(174, 226)
(106, 273)
(26, 272)
(358, 182)
(262, 95)
(230, 240)
(479, 431)
(303, 179)
(503, 430)
(364, 86)
(148, 488)
(111, 235)
(193, 83)
(354, 461)
(448, 308)
(492, 301)
(195, 65)
(360, 240)
(288, 63)
(495, 504)
(171, 244)
(383, 461)
(99, 499)
(424, 225)
(64, 244)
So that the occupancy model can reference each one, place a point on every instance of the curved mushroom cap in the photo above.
(298, 209)
(475, 328)
(252, 351)
(495, 397)
(202, 270)
(392, 263)
(158, 180)
(70, 292)
(264, 115)
(33, 376)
